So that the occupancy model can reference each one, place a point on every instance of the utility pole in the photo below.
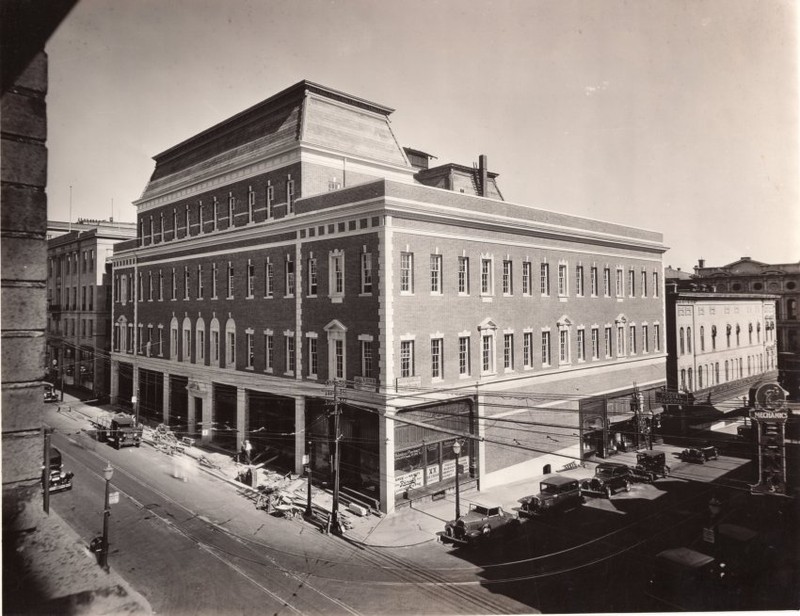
(61, 368)
(46, 471)
(335, 524)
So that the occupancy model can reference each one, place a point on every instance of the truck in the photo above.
(120, 430)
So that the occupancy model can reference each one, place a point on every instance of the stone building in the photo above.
(79, 305)
(297, 244)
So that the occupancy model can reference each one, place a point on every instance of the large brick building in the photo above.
(298, 243)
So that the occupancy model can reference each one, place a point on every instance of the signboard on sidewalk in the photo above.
(113, 498)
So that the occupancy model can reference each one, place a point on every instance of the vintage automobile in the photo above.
(609, 478)
(478, 525)
(58, 479)
(700, 454)
(50, 394)
(556, 492)
(685, 579)
(651, 464)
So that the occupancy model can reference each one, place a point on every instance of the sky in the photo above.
(678, 116)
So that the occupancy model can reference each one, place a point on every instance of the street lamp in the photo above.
(108, 472)
(456, 451)
(307, 460)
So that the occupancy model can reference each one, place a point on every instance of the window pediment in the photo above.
(335, 326)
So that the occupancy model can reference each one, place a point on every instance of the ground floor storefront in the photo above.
(78, 368)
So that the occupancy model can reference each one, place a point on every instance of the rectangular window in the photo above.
(406, 272)
(174, 285)
(338, 350)
(579, 280)
(606, 282)
(199, 281)
(463, 355)
(595, 343)
(216, 214)
(251, 203)
(632, 339)
(527, 349)
(544, 278)
(487, 353)
(200, 215)
(366, 358)
(337, 274)
(545, 348)
(406, 358)
(185, 282)
(201, 346)
(508, 351)
(186, 220)
(508, 280)
(436, 274)
(231, 210)
(366, 273)
(312, 277)
(215, 347)
(251, 278)
(313, 357)
(563, 346)
(463, 275)
(526, 277)
(290, 196)
(581, 342)
(657, 336)
(229, 288)
(160, 285)
(270, 198)
(486, 276)
(620, 290)
(620, 341)
(631, 283)
(290, 355)
(437, 344)
(655, 284)
(213, 281)
(250, 349)
(562, 280)
(608, 341)
(231, 346)
(289, 277)
(644, 283)
(645, 340)
(269, 279)
(269, 352)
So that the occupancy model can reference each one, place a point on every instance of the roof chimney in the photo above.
(701, 263)
(484, 171)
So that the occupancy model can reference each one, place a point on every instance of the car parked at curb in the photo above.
(651, 465)
(556, 492)
(479, 525)
(609, 478)
(700, 454)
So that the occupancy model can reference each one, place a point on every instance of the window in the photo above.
(436, 274)
(579, 280)
(463, 356)
(702, 338)
(216, 214)
(289, 267)
(713, 337)
(657, 337)
(186, 220)
(463, 275)
(562, 279)
(527, 349)
(200, 341)
(608, 341)
(200, 215)
(174, 224)
(563, 346)
(508, 351)
(437, 344)
(230, 344)
(229, 288)
(338, 356)
(312, 277)
(366, 358)
(406, 358)
(336, 282)
(269, 279)
(187, 339)
(581, 342)
(607, 282)
(546, 348)
(290, 196)
(214, 350)
(313, 357)
(526, 277)
(161, 232)
(644, 283)
(139, 290)
(487, 353)
(269, 351)
(251, 278)
(486, 276)
(508, 280)
(366, 273)
(544, 275)
(681, 341)
(645, 340)
(213, 281)
(595, 343)
(688, 339)
(185, 282)
(620, 341)
(173, 339)
(251, 203)
(248, 336)
(231, 210)
(160, 285)
(620, 290)
(631, 283)
(406, 272)
(174, 285)
(632, 339)
(337, 360)
(270, 198)
(199, 281)
(655, 284)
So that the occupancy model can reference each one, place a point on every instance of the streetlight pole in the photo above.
(456, 451)
(108, 472)
(309, 508)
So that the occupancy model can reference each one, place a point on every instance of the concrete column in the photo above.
(136, 389)
(208, 417)
(386, 456)
(242, 417)
(191, 416)
(300, 435)
(165, 396)
(114, 380)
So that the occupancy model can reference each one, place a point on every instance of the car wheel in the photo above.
(609, 491)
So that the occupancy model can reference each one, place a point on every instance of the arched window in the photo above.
(791, 309)
(230, 344)
(187, 339)
(213, 349)
(200, 341)
(691, 385)
(727, 372)
(683, 379)
(699, 377)
(337, 351)
(716, 373)
(681, 342)
(702, 338)
(173, 338)
(688, 339)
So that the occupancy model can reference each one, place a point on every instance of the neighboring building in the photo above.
(720, 344)
(294, 244)
(79, 305)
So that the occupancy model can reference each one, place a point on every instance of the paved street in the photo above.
(200, 545)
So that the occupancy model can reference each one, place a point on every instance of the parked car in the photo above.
(651, 464)
(479, 524)
(609, 478)
(700, 454)
(58, 479)
(685, 579)
(555, 492)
